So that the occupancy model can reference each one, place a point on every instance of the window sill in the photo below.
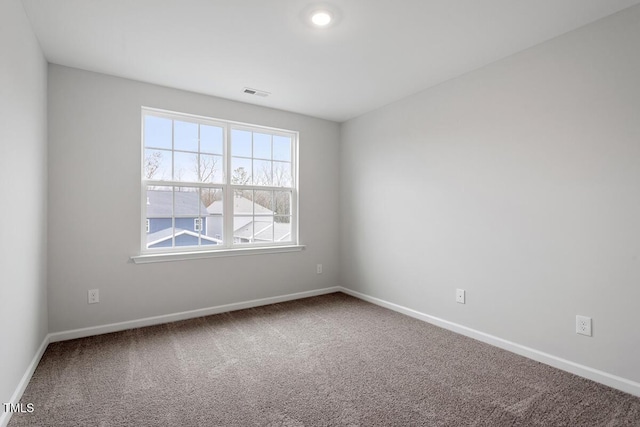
(183, 256)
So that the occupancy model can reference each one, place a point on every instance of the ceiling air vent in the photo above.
(256, 92)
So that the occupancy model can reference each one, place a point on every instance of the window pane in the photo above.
(206, 240)
(187, 204)
(243, 202)
(282, 174)
(211, 169)
(157, 164)
(185, 136)
(242, 229)
(281, 148)
(262, 172)
(263, 202)
(241, 171)
(282, 202)
(187, 208)
(282, 229)
(240, 143)
(159, 207)
(211, 139)
(263, 229)
(209, 196)
(185, 167)
(211, 199)
(157, 132)
(262, 146)
(185, 237)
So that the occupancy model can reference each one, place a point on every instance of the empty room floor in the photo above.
(331, 360)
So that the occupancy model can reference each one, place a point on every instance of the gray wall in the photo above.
(94, 194)
(519, 182)
(23, 170)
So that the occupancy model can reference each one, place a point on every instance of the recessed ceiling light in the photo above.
(321, 18)
(321, 15)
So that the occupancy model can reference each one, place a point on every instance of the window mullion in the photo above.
(200, 213)
(293, 210)
(183, 184)
(173, 217)
(260, 187)
(173, 189)
(227, 195)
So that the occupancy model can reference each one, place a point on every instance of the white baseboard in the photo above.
(596, 375)
(22, 385)
(173, 317)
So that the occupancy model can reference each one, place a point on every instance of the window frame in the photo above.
(228, 191)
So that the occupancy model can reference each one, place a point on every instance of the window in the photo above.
(210, 184)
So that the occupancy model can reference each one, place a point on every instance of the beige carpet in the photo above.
(325, 361)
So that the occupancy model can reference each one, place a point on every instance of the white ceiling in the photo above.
(379, 51)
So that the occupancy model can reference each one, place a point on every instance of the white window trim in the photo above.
(147, 255)
(237, 251)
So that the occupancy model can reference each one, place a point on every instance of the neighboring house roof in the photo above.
(264, 231)
(167, 233)
(250, 227)
(242, 205)
(160, 204)
(159, 236)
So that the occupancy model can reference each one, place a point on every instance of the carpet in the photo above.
(331, 360)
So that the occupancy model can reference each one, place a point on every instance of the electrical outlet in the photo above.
(460, 296)
(319, 269)
(583, 325)
(93, 296)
